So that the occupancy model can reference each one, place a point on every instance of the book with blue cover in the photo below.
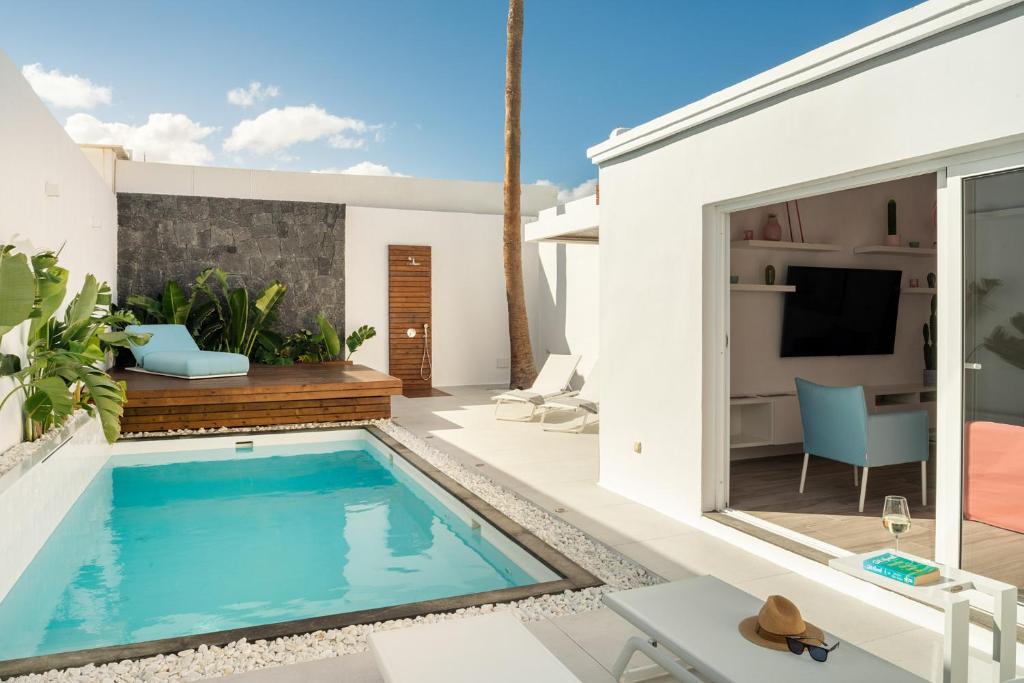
(901, 569)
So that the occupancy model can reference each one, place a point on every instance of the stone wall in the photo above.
(302, 244)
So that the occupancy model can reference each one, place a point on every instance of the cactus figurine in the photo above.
(769, 275)
(929, 331)
(931, 280)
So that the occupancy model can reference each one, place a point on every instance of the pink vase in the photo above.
(772, 229)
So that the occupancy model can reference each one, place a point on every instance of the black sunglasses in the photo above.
(819, 653)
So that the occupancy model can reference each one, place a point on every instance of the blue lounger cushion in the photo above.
(196, 363)
(171, 350)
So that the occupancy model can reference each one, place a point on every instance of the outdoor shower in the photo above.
(409, 310)
(426, 367)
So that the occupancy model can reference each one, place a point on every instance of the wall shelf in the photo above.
(894, 251)
(785, 246)
(762, 288)
(917, 290)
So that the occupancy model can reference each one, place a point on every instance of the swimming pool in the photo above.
(175, 540)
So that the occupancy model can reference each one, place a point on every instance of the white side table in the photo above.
(948, 594)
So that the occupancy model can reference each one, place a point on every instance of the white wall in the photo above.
(470, 320)
(849, 219)
(565, 307)
(958, 90)
(425, 194)
(82, 219)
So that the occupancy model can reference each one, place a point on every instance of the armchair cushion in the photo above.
(895, 438)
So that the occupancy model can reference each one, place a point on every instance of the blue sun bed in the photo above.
(172, 351)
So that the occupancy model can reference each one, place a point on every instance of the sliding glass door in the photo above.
(992, 535)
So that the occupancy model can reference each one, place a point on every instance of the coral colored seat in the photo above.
(994, 475)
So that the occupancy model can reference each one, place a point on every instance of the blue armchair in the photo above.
(837, 426)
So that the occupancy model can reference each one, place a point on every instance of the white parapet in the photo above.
(575, 221)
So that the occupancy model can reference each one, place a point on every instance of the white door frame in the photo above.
(950, 414)
(950, 170)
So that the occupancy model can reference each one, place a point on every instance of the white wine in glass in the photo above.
(896, 517)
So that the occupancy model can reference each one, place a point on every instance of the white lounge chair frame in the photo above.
(552, 381)
(585, 403)
(136, 368)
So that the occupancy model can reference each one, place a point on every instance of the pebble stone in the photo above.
(615, 570)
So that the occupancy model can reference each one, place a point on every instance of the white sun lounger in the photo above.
(691, 631)
(552, 381)
(492, 648)
(587, 402)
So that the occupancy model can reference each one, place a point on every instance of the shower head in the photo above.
(412, 261)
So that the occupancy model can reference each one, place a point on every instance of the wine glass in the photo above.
(896, 517)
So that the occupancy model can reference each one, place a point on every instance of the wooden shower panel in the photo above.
(409, 306)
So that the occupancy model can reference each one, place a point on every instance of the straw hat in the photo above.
(777, 619)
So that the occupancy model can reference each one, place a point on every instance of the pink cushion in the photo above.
(994, 475)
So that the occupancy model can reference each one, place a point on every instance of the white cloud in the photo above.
(345, 142)
(68, 91)
(568, 194)
(364, 168)
(173, 138)
(256, 92)
(279, 128)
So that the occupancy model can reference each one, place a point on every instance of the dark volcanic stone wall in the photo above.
(302, 244)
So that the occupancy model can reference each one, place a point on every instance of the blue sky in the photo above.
(415, 86)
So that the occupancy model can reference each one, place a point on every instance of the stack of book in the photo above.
(901, 569)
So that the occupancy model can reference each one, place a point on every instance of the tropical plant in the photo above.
(523, 369)
(356, 339)
(229, 320)
(171, 307)
(304, 346)
(63, 372)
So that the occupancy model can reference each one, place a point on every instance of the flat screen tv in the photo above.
(840, 312)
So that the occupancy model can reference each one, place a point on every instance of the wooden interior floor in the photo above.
(827, 511)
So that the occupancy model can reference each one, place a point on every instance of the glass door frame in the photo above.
(949, 455)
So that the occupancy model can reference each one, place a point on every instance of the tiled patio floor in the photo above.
(559, 472)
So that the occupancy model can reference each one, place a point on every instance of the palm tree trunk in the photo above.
(523, 369)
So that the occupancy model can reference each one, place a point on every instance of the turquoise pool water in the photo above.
(171, 544)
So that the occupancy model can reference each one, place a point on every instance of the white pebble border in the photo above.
(617, 571)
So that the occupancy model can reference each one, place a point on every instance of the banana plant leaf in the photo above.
(176, 306)
(265, 308)
(48, 401)
(356, 339)
(9, 364)
(238, 323)
(17, 289)
(329, 336)
(51, 288)
(152, 308)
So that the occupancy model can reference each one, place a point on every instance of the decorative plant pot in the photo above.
(892, 240)
(772, 229)
(929, 378)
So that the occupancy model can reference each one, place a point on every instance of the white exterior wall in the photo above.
(82, 219)
(382, 192)
(564, 308)
(960, 90)
(470, 313)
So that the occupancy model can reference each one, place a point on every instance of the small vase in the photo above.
(769, 275)
(892, 240)
(772, 229)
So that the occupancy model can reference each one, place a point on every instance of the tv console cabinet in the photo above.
(773, 419)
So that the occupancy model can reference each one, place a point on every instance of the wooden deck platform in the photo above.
(268, 395)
